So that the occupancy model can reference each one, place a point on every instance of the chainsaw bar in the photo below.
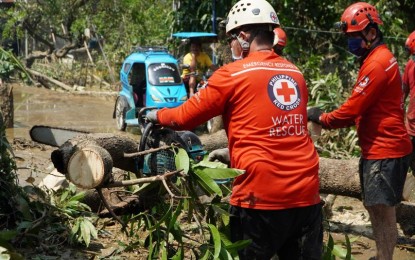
(53, 136)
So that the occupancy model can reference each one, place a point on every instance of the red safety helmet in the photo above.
(280, 37)
(357, 16)
(410, 43)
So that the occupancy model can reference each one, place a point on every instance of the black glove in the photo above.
(313, 114)
(221, 155)
(151, 116)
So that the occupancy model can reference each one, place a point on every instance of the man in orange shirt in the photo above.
(262, 98)
(376, 108)
(409, 89)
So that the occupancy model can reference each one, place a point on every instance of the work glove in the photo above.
(221, 155)
(313, 114)
(151, 116)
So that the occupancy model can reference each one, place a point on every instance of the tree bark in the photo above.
(115, 145)
(6, 104)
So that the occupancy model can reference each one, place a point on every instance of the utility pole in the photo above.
(214, 16)
(214, 27)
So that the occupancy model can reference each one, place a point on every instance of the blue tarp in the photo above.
(194, 34)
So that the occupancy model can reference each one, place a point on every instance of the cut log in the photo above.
(114, 144)
(89, 167)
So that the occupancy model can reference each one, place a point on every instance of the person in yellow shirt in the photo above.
(196, 63)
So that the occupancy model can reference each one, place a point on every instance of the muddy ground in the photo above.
(38, 106)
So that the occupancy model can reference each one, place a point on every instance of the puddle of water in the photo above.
(39, 106)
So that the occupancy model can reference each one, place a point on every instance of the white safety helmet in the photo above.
(251, 12)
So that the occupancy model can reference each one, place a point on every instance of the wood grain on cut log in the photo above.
(89, 167)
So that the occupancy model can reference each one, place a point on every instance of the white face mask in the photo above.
(244, 49)
(234, 57)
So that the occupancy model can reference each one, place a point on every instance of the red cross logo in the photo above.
(274, 17)
(285, 91)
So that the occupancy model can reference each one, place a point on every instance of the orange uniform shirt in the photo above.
(263, 100)
(376, 107)
(409, 81)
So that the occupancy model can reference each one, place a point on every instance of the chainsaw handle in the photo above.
(142, 114)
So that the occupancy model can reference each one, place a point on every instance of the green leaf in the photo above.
(25, 225)
(7, 234)
(225, 255)
(162, 220)
(75, 228)
(182, 160)
(64, 195)
(216, 240)
(92, 228)
(77, 197)
(328, 249)
(179, 254)
(86, 233)
(23, 207)
(349, 249)
(206, 255)
(206, 182)
(206, 163)
(221, 173)
(173, 226)
(163, 251)
(238, 245)
(339, 251)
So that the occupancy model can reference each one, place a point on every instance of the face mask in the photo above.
(234, 57)
(245, 48)
(355, 46)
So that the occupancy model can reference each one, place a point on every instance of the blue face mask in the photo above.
(355, 46)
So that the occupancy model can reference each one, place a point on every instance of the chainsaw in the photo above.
(53, 136)
(153, 136)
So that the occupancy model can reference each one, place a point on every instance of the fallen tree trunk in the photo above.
(338, 177)
(49, 79)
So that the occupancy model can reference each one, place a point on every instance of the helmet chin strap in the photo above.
(367, 42)
(369, 45)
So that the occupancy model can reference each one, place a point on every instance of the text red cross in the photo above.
(285, 91)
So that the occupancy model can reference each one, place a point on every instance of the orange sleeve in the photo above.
(207, 103)
(366, 91)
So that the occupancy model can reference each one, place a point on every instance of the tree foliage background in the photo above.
(313, 44)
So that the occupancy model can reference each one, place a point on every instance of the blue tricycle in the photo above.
(150, 77)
